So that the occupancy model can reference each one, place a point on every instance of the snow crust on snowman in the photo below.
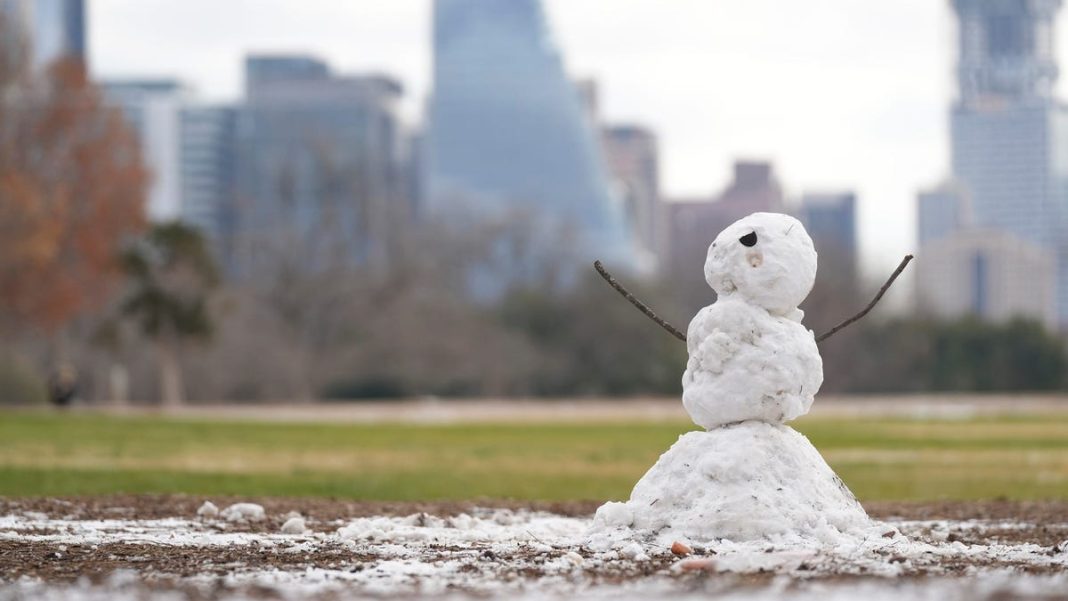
(752, 367)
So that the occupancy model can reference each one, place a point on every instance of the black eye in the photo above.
(748, 239)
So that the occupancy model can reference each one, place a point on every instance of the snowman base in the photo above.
(741, 482)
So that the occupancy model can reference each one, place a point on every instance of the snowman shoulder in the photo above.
(700, 327)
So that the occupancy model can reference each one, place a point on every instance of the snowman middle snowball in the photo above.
(749, 356)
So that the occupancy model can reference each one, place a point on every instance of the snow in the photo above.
(208, 510)
(776, 272)
(745, 482)
(750, 357)
(503, 553)
(497, 526)
(294, 525)
(746, 364)
(969, 589)
(243, 512)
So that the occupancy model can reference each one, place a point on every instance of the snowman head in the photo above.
(766, 259)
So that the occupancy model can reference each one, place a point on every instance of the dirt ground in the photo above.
(1041, 523)
(155, 547)
(144, 507)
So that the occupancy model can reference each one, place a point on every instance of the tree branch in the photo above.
(637, 303)
(878, 297)
(677, 334)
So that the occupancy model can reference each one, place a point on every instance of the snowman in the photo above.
(752, 367)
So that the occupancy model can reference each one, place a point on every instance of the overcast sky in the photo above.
(840, 94)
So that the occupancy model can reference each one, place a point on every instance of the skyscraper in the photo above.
(152, 107)
(506, 128)
(208, 169)
(1009, 133)
(189, 150)
(52, 29)
(990, 274)
(831, 220)
(941, 211)
(59, 30)
(632, 156)
(320, 157)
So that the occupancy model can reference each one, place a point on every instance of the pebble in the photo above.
(680, 549)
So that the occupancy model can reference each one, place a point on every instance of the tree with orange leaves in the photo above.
(72, 191)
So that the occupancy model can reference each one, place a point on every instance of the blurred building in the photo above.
(207, 160)
(51, 29)
(589, 95)
(152, 107)
(320, 157)
(188, 148)
(507, 132)
(691, 225)
(632, 156)
(1009, 133)
(831, 221)
(280, 69)
(940, 212)
(991, 274)
(15, 30)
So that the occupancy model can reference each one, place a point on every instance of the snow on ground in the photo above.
(504, 553)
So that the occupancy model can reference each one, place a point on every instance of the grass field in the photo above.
(52, 454)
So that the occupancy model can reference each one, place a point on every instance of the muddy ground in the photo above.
(39, 552)
(144, 507)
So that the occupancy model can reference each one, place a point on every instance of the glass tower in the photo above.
(54, 29)
(507, 130)
(1009, 132)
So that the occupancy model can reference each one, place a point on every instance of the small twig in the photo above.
(637, 303)
(878, 297)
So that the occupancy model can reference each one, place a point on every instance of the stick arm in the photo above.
(677, 334)
(637, 303)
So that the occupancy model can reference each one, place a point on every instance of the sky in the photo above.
(839, 94)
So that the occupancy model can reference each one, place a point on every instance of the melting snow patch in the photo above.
(294, 525)
(520, 553)
(244, 512)
(208, 510)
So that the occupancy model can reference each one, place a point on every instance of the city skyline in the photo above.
(839, 104)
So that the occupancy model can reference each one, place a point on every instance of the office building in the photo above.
(321, 157)
(507, 131)
(831, 221)
(632, 156)
(208, 157)
(49, 29)
(152, 107)
(941, 211)
(1009, 132)
(991, 274)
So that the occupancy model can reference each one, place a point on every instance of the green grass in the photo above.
(57, 454)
